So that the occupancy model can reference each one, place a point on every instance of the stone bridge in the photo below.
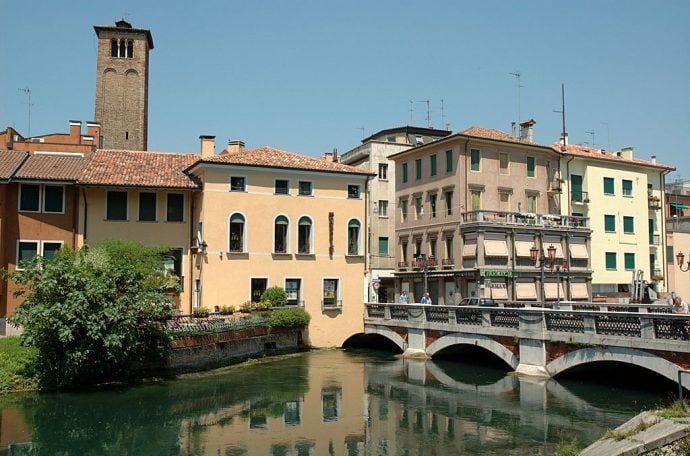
(538, 341)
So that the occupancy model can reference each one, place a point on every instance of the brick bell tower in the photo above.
(122, 85)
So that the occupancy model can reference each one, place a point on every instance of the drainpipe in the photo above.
(75, 217)
(568, 196)
(190, 281)
(86, 214)
(663, 227)
(467, 187)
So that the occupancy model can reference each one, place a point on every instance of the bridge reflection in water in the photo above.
(319, 403)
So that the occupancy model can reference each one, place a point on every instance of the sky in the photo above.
(310, 76)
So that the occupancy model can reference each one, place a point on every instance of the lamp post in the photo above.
(679, 259)
(551, 263)
(423, 263)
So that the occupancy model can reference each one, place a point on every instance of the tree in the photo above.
(94, 314)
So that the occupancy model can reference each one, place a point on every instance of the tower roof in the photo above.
(125, 28)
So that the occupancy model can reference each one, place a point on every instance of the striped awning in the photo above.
(678, 205)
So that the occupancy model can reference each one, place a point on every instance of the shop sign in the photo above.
(490, 273)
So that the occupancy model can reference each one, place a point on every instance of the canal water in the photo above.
(330, 402)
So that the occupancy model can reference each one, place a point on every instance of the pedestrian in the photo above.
(426, 299)
(680, 327)
(403, 297)
(679, 306)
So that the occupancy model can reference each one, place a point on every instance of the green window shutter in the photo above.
(628, 225)
(611, 260)
(609, 188)
(432, 164)
(418, 168)
(531, 166)
(474, 159)
(383, 246)
(629, 261)
(627, 187)
(404, 172)
(449, 161)
(669, 254)
(610, 223)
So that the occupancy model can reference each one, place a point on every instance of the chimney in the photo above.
(564, 139)
(512, 129)
(207, 146)
(235, 145)
(74, 129)
(627, 153)
(328, 156)
(654, 159)
(335, 155)
(527, 130)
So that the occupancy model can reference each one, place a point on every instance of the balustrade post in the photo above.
(387, 312)
(452, 317)
(486, 318)
(589, 324)
(647, 328)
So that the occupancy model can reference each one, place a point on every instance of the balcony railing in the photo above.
(654, 202)
(403, 265)
(579, 197)
(331, 304)
(654, 239)
(448, 262)
(517, 218)
(556, 186)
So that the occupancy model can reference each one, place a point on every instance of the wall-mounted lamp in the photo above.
(679, 259)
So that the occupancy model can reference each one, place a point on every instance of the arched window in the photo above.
(236, 233)
(353, 229)
(114, 48)
(280, 238)
(130, 49)
(304, 235)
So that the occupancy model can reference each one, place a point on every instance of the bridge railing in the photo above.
(641, 325)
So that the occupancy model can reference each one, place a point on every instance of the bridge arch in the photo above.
(388, 334)
(476, 340)
(618, 354)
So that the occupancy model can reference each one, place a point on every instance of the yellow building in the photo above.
(623, 198)
(272, 218)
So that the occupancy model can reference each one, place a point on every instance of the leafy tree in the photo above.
(94, 314)
(276, 296)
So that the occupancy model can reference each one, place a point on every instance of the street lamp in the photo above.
(551, 263)
(423, 263)
(679, 259)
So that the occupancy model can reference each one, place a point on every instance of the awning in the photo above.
(499, 292)
(554, 290)
(525, 291)
(579, 251)
(495, 248)
(578, 291)
(522, 248)
(469, 250)
(678, 205)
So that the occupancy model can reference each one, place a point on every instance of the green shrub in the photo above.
(246, 307)
(289, 318)
(262, 305)
(227, 310)
(276, 296)
(201, 312)
(16, 366)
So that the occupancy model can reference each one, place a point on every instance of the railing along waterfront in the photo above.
(188, 325)
(639, 321)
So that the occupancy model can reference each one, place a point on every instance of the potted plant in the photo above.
(201, 312)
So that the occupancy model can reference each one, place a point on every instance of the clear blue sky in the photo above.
(307, 76)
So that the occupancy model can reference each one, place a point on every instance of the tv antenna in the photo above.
(443, 117)
(27, 91)
(411, 111)
(428, 112)
(518, 75)
(564, 135)
(592, 132)
(608, 135)
(362, 130)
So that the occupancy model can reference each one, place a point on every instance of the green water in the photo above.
(322, 403)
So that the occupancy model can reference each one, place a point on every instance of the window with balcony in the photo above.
(504, 201)
(475, 200)
(532, 203)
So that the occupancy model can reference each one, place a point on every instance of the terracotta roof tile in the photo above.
(276, 158)
(139, 169)
(598, 154)
(10, 161)
(51, 167)
(497, 135)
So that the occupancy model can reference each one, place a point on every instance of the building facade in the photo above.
(122, 85)
(372, 155)
(73, 142)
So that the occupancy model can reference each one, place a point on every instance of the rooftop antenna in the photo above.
(411, 111)
(362, 130)
(443, 116)
(27, 91)
(517, 75)
(428, 112)
(608, 135)
(592, 132)
(564, 134)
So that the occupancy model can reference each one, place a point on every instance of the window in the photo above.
(304, 236)
(418, 208)
(403, 209)
(432, 247)
(418, 140)
(258, 286)
(475, 200)
(474, 159)
(282, 187)
(417, 247)
(448, 195)
(609, 223)
(175, 207)
(383, 246)
(449, 161)
(238, 184)
(531, 167)
(504, 201)
(609, 186)
(629, 259)
(353, 191)
(236, 233)
(280, 238)
(404, 173)
(383, 171)
(670, 257)
(147, 206)
(503, 163)
(122, 48)
(432, 204)
(611, 261)
(304, 188)
(172, 262)
(418, 168)
(628, 225)
(383, 208)
(293, 288)
(449, 247)
(29, 197)
(53, 198)
(532, 200)
(432, 164)
(390, 139)
(330, 293)
(627, 187)
(50, 249)
(26, 251)
(353, 229)
(116, 205)
(403, 251)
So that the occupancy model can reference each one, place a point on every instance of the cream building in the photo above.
(272, 218)
(623, 198)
